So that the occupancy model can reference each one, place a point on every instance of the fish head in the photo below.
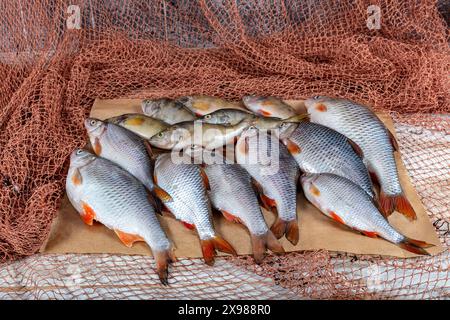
(81, 157)
(217, 117)
(95, 127)
(170, 138)
(153, 107)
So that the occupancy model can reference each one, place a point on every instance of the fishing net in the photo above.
(57, 57)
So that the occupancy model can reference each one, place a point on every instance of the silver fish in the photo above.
(226, 117)
(232, 193)
(186, 183)
(275, 172)
(102, 191)
(346, 203)
(360, 124)
(144, 126)
(167, 110)
(201, 105)
(269, 106)
(318, 149)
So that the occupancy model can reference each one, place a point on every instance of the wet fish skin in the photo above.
(186, 185)
(319, 149)
(226, 117)
(278, 185)
(102, 191)
(361, 125)
(268, 106)
(201, 105)
(232, 194)
(142, 125)
(167, 110)
(347, 203)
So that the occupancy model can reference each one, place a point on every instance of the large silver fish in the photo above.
(100, 190)
(144, 126)
(360, 124)
(187, 185)
(346, 203)
(276, 173)
(126, 149)
(269, 106)
(318, 149)
(167, 110)
(201, 105)
(232, 193)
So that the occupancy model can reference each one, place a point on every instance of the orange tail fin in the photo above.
(163, 259)
(290, 228)
(263, 242)
(210, 246)
(399, 203)
(415, 246)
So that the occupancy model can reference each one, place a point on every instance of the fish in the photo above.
(167, 110)
(102, 191)
(185, 134)
(268, 106)
(347, 203)
(187, 184)
(319, 149)
(144, 126)
(377, 143)
(201, 105)
(275, 173)
(232, 193)
(127, 150)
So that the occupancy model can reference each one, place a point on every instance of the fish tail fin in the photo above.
(260, 244)
(415, 246)
(163, 259)
(288, 228)
(399, 203)
(209, 247)
(223, 246)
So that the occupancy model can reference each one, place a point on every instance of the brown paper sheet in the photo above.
(70, 235)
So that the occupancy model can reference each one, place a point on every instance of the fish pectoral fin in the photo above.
(356, 148)
(260, 244)
(76, 178)
(161, 194)
(127, 238)
(292, 146)
(87, 215)
(205, 179)
(393, 140)
(231, 217)
(97, 146)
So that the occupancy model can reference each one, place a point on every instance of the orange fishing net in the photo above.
(57, 56)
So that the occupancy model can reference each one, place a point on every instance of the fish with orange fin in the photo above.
(101, 191)
(377, 143)
(232, 194)
(201, 105)
(144, 126)
(127, 150)
(269, 107)
(348, 204)
(187, 184)
(275, 173)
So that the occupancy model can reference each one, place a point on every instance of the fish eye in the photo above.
(316, 97)
(161, 134)
(93, 122)
(252, 127)
(207, 117)
(79, 151)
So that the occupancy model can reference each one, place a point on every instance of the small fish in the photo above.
(346, 203)
(185, 134)
(377, 143)
(126, 149)
(269, 106)
(201, 105)
(226, 117)
(101, 191)
(318, 149)
(275, 173)
(232, 194)
(144, 126)
(187, 184)
(167, 110)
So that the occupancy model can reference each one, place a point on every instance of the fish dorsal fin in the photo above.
(393, 140)
(356, 147)
(205, 178)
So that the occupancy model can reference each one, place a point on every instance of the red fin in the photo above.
(292, 232)
(374, 178)
(76, 178)
(261, 243)
(189, 226)
(264, 113)
(163, 259)
(205, 179)
(356, 147)
(223, 246)
(161, 194)
(97, 147)
(370, 234)
(335, 217)
(268, 203)
(148, 147)
(88, 214)
(393, 140)
(399, 203)
(292, 147)
(313, 189)
(278, 228)
(415, 246)
(127, 238)
(208, 251)
(231, 217)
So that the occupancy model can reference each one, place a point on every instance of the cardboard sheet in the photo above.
(70, 235)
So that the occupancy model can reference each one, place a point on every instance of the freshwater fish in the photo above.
(269, 106)
(167, 110)
(377, 143)
(101, 191)
(201, 105)
(226, 117)
(126, 149)
(346, 203)
(276, 173)
(144, 126)
(232, 194)
(319, 149)
(187, 184)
